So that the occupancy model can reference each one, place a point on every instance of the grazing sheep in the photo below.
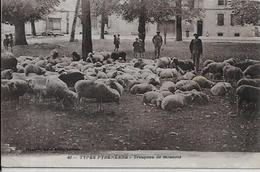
(207, 62)
(248, 94)
(253, 71)
(34, 69)
(58, 89)
(37, 86)
(245, 64)
(164, 62)
(142, 88)
(71, 78)
(216, 67)
(187, 85)
(152, 98)
(118, 54)
(251, 82)
(185, 65)
(194, 96)
(117, 86)
(7, 74)
(8, 61)
(168, 73)
(221, 89)
(232, 73)
(203, 82)
(168, 86)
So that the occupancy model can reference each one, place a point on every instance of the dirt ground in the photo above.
(214, 126)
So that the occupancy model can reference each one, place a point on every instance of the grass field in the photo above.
(130, 125)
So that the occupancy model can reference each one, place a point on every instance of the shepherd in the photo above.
(196, 51)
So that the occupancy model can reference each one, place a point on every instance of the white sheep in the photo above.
(221, 88)
(168, 86)
(142, 88)
(203, 82)
(187, 85)
(7, 74)
(152, 98)
(34, 69)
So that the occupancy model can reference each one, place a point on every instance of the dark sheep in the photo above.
(253, 71)
(251, 82)
(232, 73)
(75, 56)
(248, 94)
(8, 61)
(116, 55)
(71, 78)
(245, 64)
(185, 65)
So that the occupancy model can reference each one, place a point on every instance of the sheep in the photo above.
(164, 62)
(165, 93)
(98, 90)
(118, 54)
(221, 88)
(8, 61)
(216, 67)
(37, 86)
(184, 65)
(94, 58)
(207, 62)
(7, 74)
(248, 94)
(251, 82)
(174, 101)
(168, 73)
(245, 64)
(188, 76)
(71, 78)
(168, 86)
(152, 98)
(34, 69)
(230, 61)
(194, 96)
(42, 63)
(75, 56)
(142, 88)
(60, 91)
(102, 75)
(115, 85)
(5, 91)
(232, 73)
(139, 64)
(105, 54)
(20, 68)
(253, 71)
(187, 85)
(203, 82)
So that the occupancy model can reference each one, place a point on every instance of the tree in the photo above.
(72, 35)
(17, 13)
(245, 11)
(86, 26)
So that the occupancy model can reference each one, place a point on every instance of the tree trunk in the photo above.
(178, 20)
(20, 38)
(72, 35)
(102, 31)
(165, 32)
(141, 25)
(86, 27)
(33, 28)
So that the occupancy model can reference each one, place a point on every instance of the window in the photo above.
(233, 20)
(220, 33)
(237, 34)
(220, 20)
(221, 2)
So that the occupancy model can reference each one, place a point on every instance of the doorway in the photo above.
(199, 27)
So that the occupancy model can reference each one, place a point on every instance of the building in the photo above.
(217, 21)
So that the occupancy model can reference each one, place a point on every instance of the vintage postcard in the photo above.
(149, 84)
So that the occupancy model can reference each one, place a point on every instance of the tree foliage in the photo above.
(245, 11)
(14, 11)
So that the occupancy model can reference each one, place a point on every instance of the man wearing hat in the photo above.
(196, 51)
(157, 41)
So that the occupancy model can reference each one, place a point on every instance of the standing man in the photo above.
(157, 42)
(116, 43)
(196, 51)
(136, 47)
(6, 42)
(11, 41)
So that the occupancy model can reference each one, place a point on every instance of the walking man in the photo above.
(157, 41)
(196, 51)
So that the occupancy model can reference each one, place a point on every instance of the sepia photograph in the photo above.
(171, 84)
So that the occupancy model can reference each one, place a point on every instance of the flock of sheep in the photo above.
(167, 83)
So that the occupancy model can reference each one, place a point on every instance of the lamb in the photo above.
(251, 82)
(187, 85)
(168, 86)
(142, 88)
(118, 54)
(216, 67)
(232, 73)
(34, 69)
(71, 78)
(7, 74)
(185, 65)
(203, 82)
(60, 91)
(152, 98)
(253, 71)
(8, 61)
(248, 94)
